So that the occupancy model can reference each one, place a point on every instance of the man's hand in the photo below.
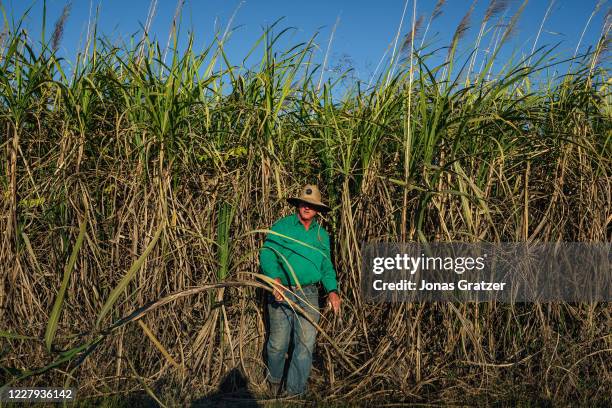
(334, 301)
(278, 291)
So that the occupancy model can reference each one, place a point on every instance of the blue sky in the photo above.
(365, 30)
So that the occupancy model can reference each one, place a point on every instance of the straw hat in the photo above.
(310, 195)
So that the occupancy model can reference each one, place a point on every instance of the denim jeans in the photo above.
(284, 323)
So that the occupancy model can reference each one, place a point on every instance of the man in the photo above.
(297, 251)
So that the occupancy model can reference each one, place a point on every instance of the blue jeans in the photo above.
(284, 323)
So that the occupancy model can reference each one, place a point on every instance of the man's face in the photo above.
(306, 212)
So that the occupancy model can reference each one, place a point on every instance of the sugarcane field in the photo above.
(322, 204)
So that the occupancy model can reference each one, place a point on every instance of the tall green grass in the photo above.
(174, 156)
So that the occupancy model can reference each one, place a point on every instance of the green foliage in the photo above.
(59, 300)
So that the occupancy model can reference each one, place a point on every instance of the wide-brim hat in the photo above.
(310, 195)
